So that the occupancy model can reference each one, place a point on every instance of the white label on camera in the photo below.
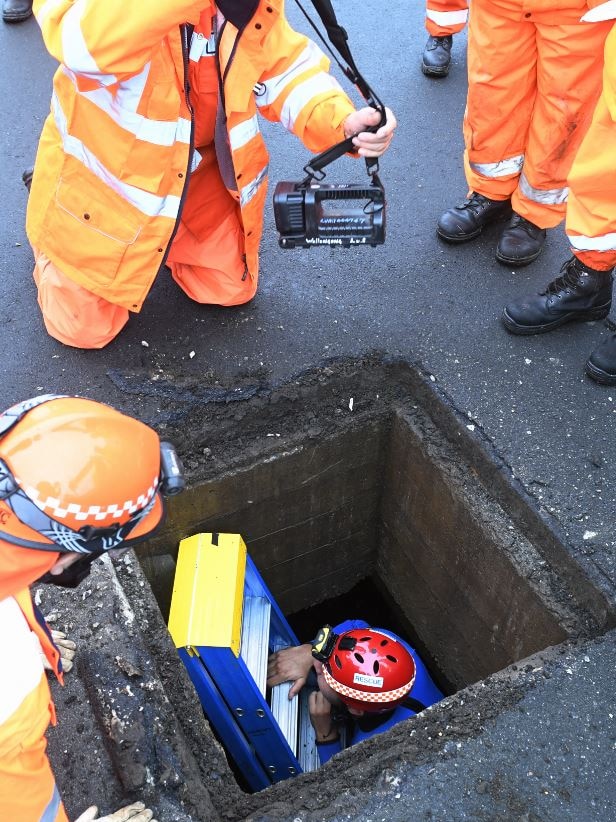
(363, 679)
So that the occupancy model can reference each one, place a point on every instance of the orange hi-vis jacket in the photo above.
(117, 149)
(28, 792)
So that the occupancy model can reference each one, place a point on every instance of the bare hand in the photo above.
(137, 812)
(290, 665)
(321, 717)
(370, 144)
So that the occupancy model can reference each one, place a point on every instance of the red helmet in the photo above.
(369, 669)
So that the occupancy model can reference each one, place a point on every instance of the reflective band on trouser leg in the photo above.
(591, 209)
(569, 69)
(72, 314)
(501, 94)
(28, 791)
(444, 17)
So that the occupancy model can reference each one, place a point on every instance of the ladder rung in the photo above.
(255, 638)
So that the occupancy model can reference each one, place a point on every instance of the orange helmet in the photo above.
(77, 475)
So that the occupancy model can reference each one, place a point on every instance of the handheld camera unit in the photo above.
(312, 212)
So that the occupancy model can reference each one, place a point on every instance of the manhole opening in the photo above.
(391, 500)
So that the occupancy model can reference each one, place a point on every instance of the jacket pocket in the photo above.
(88, 228)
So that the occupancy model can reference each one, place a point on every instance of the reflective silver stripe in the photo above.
(503, 168)
(51, 811)
(196, 159)
(75, 52)
(302, 94)
(447, 18)
(267, 92)
(249, 190)
(604, 11)
(122, 107)
(18, 642)
(147, 203)
(604, 242)
(202, 47)
(549, 196)
(244, 132)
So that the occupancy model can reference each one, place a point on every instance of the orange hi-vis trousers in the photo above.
(444, 17)
(534, 81)
(591, 208)
(77, 317)
(28, 791)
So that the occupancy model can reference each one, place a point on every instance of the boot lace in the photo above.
(569, 278)
(475, 202)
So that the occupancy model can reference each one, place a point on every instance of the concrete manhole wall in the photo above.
(362, 471)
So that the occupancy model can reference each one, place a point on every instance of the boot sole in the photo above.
(527, 330)
(456, 238)
(598, 375)
(517, 261)
(431, 71)
(16, 18)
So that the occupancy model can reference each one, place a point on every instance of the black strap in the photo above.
(339, 39)
(413, 705)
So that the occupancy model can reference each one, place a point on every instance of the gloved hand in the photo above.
(67, 651)
(137, 812)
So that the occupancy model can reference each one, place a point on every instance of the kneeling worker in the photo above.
(368, 679)
(152, 153)
(66, 498)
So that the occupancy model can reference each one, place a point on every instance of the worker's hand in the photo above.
(321, 717)
(370, 144)
(137, 812)
(290, 665)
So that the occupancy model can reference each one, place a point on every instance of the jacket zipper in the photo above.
(186, 31)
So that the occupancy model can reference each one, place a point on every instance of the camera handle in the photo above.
(339, 39)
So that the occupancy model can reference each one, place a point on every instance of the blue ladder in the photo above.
(225, 622)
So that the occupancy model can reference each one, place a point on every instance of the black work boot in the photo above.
(579, 293)
(601, 365)
(14, 11)
(437, 56)
(465, 221)
(521, 242)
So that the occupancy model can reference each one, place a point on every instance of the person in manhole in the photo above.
(367, 680)
(66, 498)
(152, 152)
